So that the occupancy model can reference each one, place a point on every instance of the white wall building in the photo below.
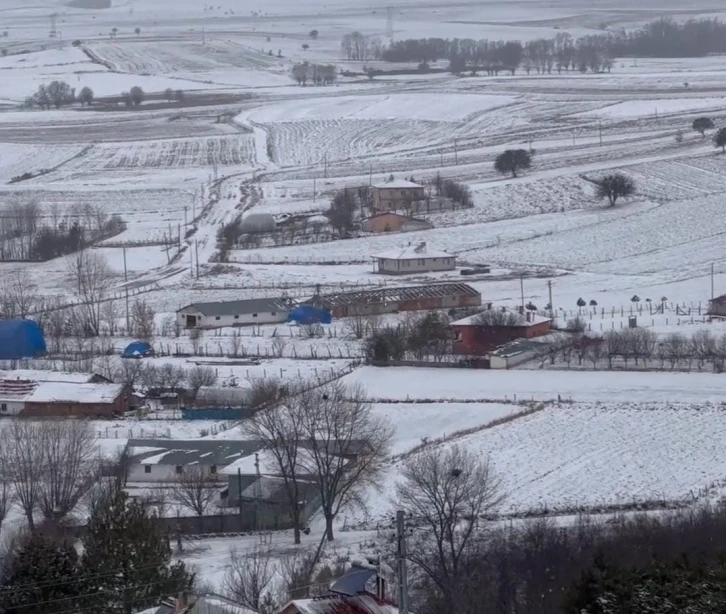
(165, 460)
(414, 259)
(234, 313)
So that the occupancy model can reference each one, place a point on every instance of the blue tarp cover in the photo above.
(20, 339)
(137, 348)
(307, 314)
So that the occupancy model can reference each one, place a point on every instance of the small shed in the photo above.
(414, 259)
(393, 222)
(20, 339)
(717, 306)
(138, 349)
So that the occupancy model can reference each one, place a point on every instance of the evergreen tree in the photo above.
(127, 559)
(42, 578)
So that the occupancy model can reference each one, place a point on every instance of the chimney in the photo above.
(529, 316)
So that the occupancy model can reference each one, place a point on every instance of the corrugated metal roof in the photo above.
(394, 294)
(219, 452)
(344, 604)
(231, 308)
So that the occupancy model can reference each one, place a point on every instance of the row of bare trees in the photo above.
(29, 231)
(643, 347)
(46, 467)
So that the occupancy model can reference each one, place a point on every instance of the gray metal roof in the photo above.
(255, 305)
(219, 452)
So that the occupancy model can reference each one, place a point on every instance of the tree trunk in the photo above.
(296, 531)
(329, 528)
(514, 173)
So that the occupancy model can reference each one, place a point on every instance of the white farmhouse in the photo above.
(166, 460)
(414, 259)
(234, 313)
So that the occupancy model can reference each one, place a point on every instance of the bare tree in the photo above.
(357, 326)
(595, 352)
(247, 577)
(676, 348)
(170, 376)
(278, 346)
(109, 317)
(235, 343)
(142, 320)
(19, 297)
(91, 278)
(69, 469)
(130, 372)
(21, 448)
(614, 346)
(447, 491)
(7, 494)
(280, 428)
(195, 489)
(703, 347)
(499, 317)
(195, 336)
(348, 445)
(197, 377)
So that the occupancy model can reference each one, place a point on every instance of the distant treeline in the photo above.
(661, 38)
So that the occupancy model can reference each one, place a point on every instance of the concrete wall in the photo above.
(203, 321)
(421, 265)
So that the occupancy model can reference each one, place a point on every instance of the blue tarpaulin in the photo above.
(307, 314)
(20, 339)
(137, 349)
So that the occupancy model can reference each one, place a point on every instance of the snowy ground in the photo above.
(183, 170)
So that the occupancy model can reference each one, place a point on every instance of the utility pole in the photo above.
(126, 288)
(456, 153)
(239, 489)
(185, 214)
(315, 188)
(325, 165)
(258, 491)
(370, 175)
(552, 307)
(196, 255)
(401, 557)
(521, 289)
(712, 283)
(599, 126)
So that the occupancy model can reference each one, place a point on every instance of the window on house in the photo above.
(147, 468)
(179, 469)
(274, 313)
(4, 407)
(217, 318)
(421, 262)
(254, 315)
(236, 317)
(213, 470)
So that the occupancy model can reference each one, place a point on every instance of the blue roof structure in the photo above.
(137, 349)
(307, 314)
(20, 339)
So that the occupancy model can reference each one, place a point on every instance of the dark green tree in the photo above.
(512, 160)
(665, 587)
(127, 559)
(42, 578)
(701, 124)
(614, 187)
(719, 139)
(137, 95)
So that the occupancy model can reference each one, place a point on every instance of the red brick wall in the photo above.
(102, 410)
(478, 340)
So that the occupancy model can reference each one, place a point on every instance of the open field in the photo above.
(561, 440)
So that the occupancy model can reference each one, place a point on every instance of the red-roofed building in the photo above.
(477, 337)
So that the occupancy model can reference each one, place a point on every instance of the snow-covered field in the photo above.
(184, 169)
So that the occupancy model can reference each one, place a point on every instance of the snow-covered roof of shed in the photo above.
(397, 183)
(59, 392)
(534, 318)
(413, 252)
(37, 375)
(332, 604)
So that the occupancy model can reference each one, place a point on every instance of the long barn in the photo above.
(392, 299)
